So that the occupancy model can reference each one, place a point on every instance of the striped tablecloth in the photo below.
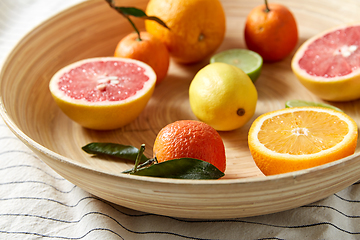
(36, 203)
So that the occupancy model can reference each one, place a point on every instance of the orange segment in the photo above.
(297, 138)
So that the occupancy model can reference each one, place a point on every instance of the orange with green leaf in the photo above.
(190, 139)
(143, 46)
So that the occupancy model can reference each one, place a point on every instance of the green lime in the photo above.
(302, 103)
(248, 61)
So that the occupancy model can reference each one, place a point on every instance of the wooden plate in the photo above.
(92, 29)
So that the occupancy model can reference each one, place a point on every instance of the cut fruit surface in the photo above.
(103, 93)
(248, 61)
(297, 138)
(328, 64)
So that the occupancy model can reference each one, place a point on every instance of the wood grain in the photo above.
(92, 29)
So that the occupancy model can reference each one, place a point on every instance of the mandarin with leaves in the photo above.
(190, 139)
(143, 46)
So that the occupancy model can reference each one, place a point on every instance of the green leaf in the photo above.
(136, 12)
(182, 168)
(302, 103)
(110, 2)
(115, 150)
(131, 11)
(158, 20)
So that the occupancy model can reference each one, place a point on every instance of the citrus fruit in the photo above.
(149, 50)
(297, 138)
(197, 27)
(328, 63)
(248, 61)
(190, 139)
(271, 31)
(223, 96)
(103, 93)
(302, 103)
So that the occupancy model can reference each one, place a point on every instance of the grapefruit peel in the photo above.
(339, 88)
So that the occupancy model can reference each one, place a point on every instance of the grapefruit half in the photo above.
(328, 64)
(103, 93)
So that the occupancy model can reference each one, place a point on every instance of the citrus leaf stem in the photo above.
(135, 12)
(149, 162)
(138, 157)
(134, 26)
(267, 9)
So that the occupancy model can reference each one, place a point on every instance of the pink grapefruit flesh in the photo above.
(103, 81)
(103, 93)
(328, 64)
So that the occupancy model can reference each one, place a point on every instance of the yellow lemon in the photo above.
(223, 96)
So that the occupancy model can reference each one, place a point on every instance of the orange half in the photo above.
(297, 138)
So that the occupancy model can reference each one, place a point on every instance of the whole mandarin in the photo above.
(271, 31)
(190, 139)
(148, 49)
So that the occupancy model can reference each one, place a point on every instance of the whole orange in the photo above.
(149, 50)
(271, 31)
(197, 27)
(190, 139)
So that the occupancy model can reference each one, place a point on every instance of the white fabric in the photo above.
(37, 203)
